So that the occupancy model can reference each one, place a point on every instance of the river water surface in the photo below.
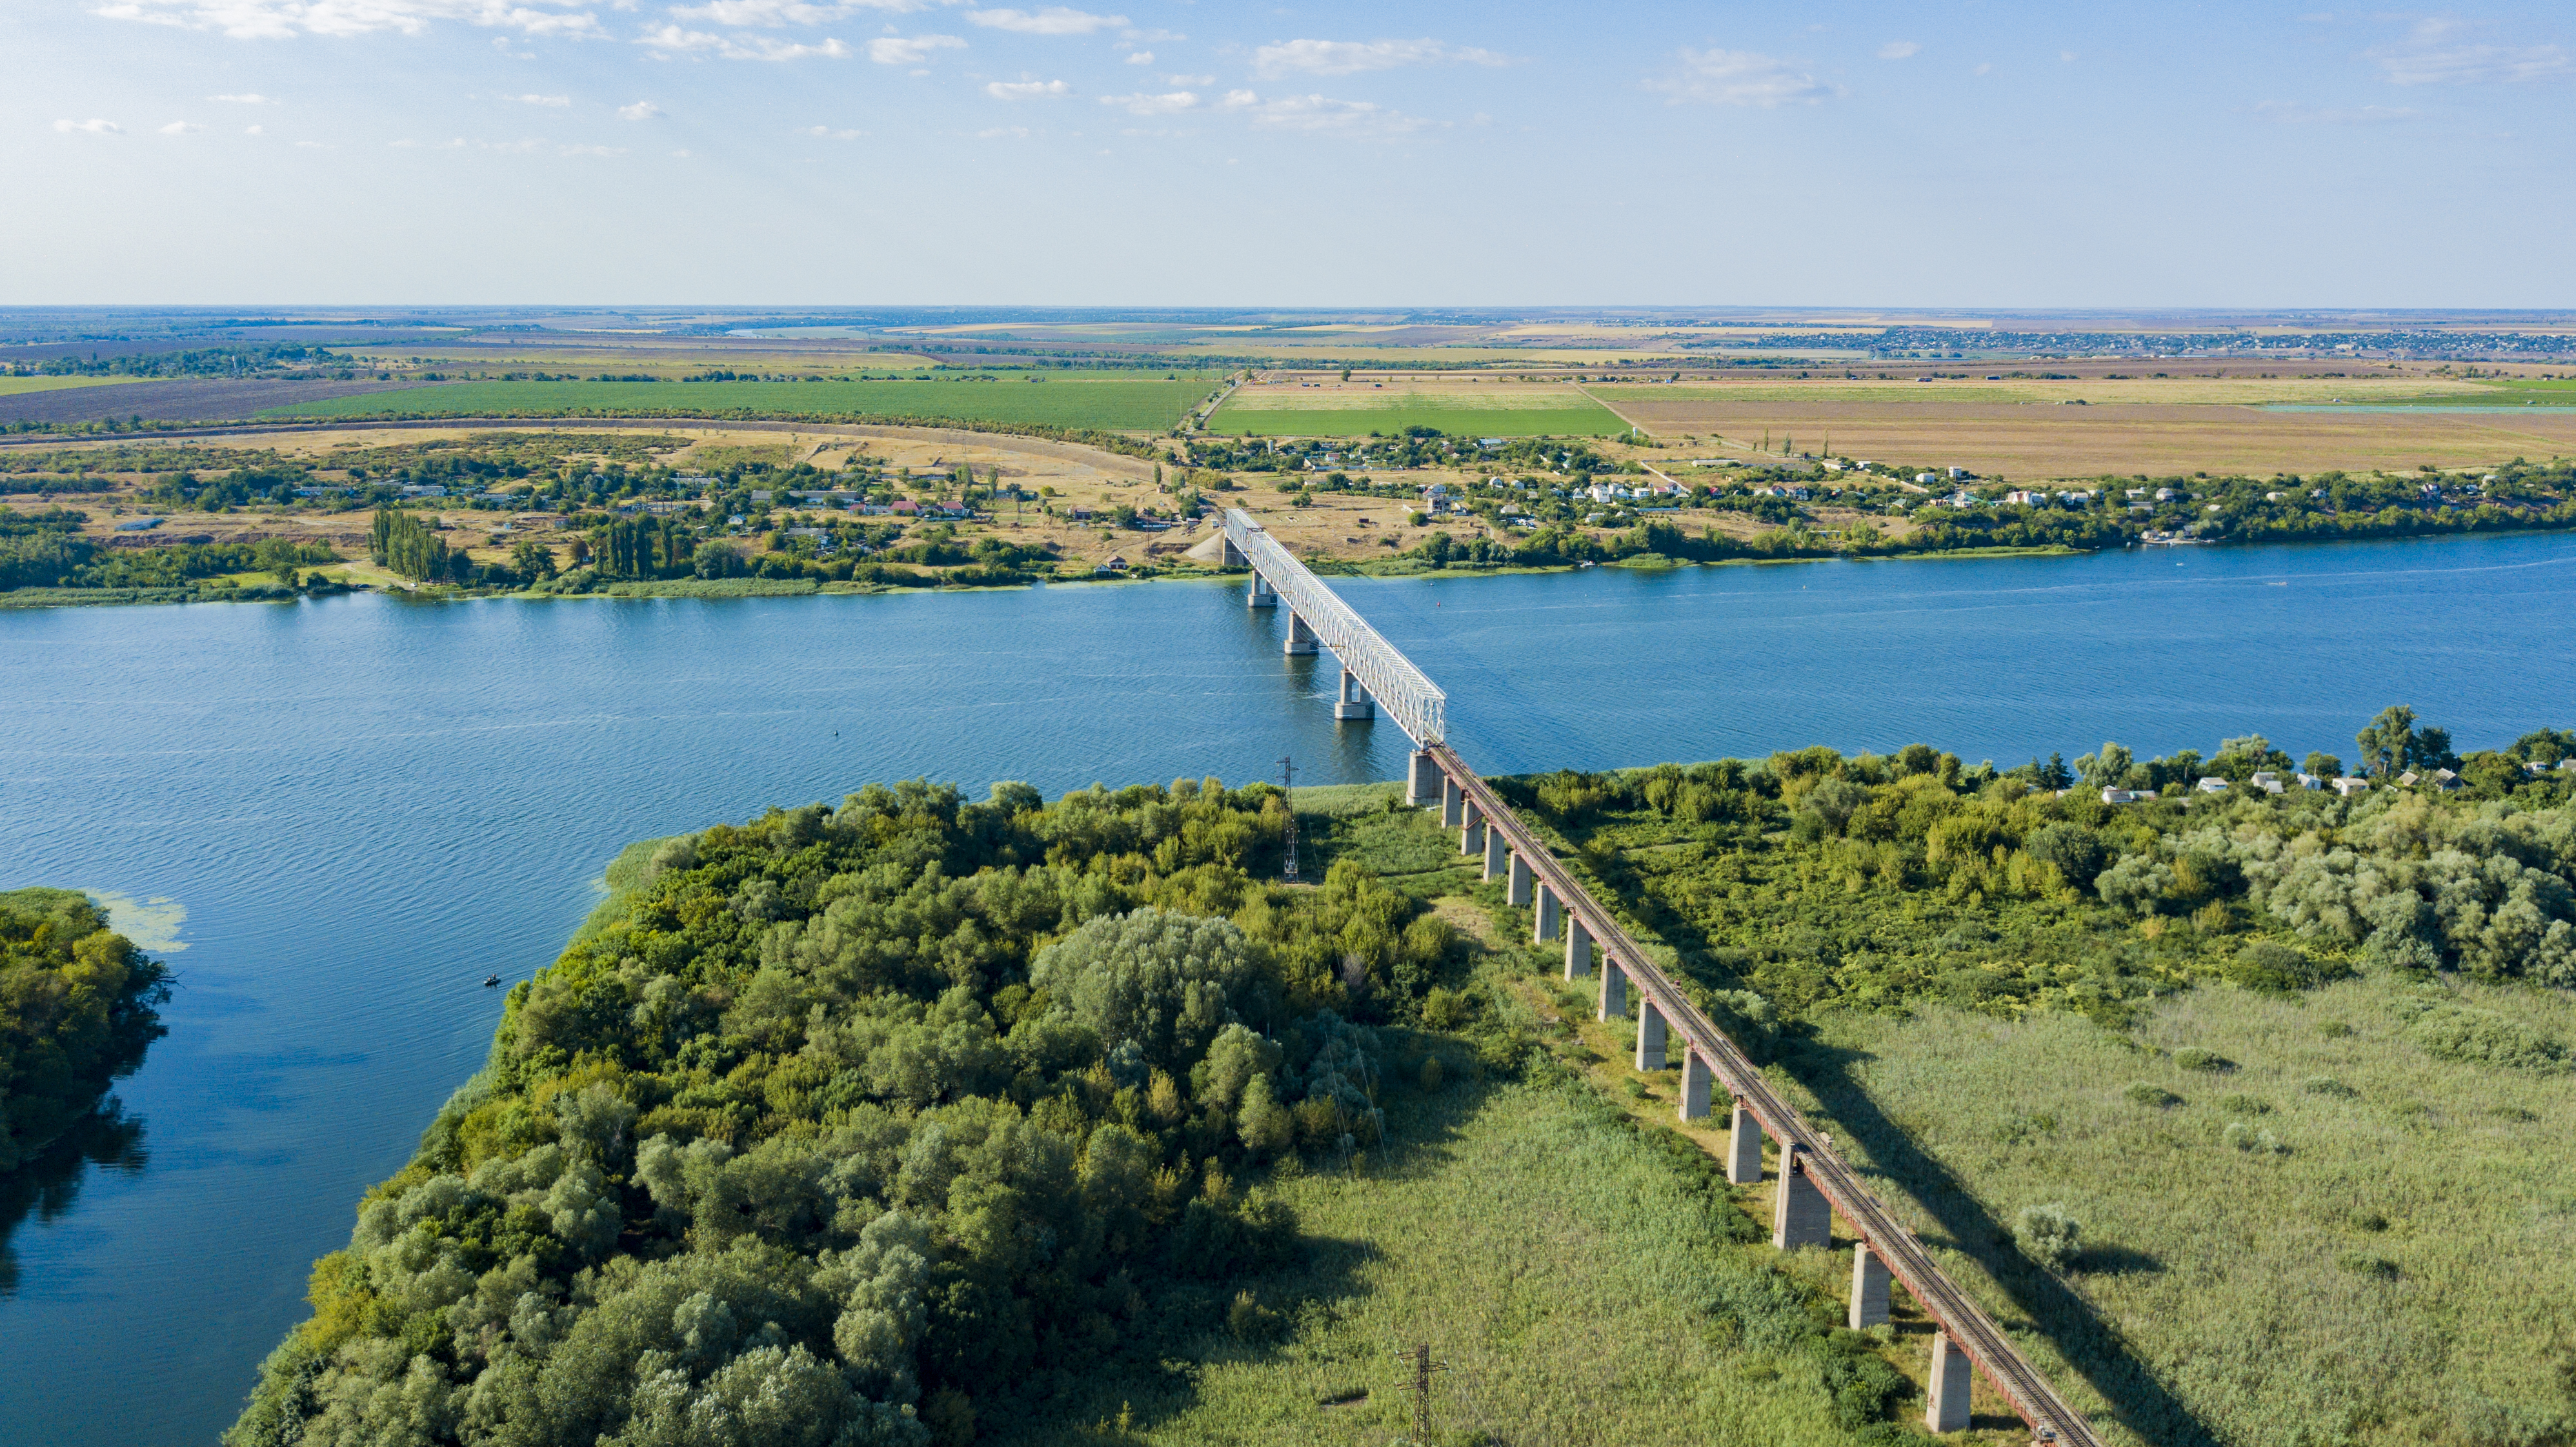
(352, 810)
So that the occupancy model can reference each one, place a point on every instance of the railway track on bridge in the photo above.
(1421, 709)
(1969, 1327)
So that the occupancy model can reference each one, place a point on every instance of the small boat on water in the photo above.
(491, 980)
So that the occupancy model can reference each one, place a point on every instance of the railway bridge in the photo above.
(1813, 1184)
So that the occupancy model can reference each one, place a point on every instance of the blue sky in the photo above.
(912, 151)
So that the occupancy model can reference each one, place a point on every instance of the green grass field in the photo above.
(1554, 1263)
(2513, 393)
(1461, 411)
(19, 386)
(1113, 403)
(2395, 1266)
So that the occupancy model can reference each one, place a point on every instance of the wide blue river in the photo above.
(351, 811)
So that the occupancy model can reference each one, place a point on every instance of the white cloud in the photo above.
(93, 126)
(2438, 52)
(1323, 115)
(2066, 56)
(642, 110)
(997, 133)
(557, 101)
(254, 98)
(1142, 57)
(281, 19)
(1349, 57)
(1899, 50)
(1028, 90)
(594, 150)
(311, 146)
(1171, 103)
(828, 134)
(741, 13)
(1188, 81)
(2291, 113)
(896, 50)
(672, 39)
(181, 128)
(1053, 20)
(254, 130)
(1740, 78)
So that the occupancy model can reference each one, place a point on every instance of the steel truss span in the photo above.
(1412, 700)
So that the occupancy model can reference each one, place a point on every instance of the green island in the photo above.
(79, 1006)
(921, 1120)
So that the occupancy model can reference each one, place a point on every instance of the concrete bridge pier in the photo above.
(1695, 1082)
(1614, 989)
(1947, 1388)
(1518, 891)
(1471, 831)
(1498, 855)
(1453, 803)
(1422, 782)
(1301, 639)
(1262, 594)
(1800, 1215)
(1744, 1149)
(1650, 1038)
(1869, 1289)
(1354, 702)
(1547, 913)
(1233, 555)
(1578, 948)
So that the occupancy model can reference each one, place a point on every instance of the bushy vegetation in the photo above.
(830, 1127)
(1818, 880)
(1107, 403)
(77, 1010)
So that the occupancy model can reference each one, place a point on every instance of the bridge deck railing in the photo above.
(1415, 703)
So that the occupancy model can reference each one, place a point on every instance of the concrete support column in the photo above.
(1947, 1411)
(1354, 702)
(1301, 639)
(1578, 949)
(1547, 915)
(1262, 594)
(1614, 990)
(1694, 1085)
(1650, 1039)
(1498, 855)
(1744, 1148)
(1471, 830)
(1800, 1215)
(1453, 803)
(1422, 781)
(1518, 891)
(1869, 1289)
(1234, 557)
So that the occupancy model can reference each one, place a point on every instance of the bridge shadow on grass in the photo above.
(1150, 1377)
(2091, 1345)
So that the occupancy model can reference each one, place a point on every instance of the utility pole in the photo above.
(1420, 1387)
(1288, 776)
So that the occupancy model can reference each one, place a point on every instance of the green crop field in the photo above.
(14, 386)
(1112, 403)
(1464, 411)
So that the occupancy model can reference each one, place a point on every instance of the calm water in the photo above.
(363, 806)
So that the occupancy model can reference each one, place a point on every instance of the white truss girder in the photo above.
(1413, 701)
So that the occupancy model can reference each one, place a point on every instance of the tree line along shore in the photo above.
(571, 513)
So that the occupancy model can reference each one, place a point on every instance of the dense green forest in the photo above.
(77, 1009)
(837, 1126)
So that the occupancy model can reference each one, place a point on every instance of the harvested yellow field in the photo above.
(2094, 391)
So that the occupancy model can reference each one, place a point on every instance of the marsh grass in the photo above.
(2400, 1269)
(1570, 1279)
